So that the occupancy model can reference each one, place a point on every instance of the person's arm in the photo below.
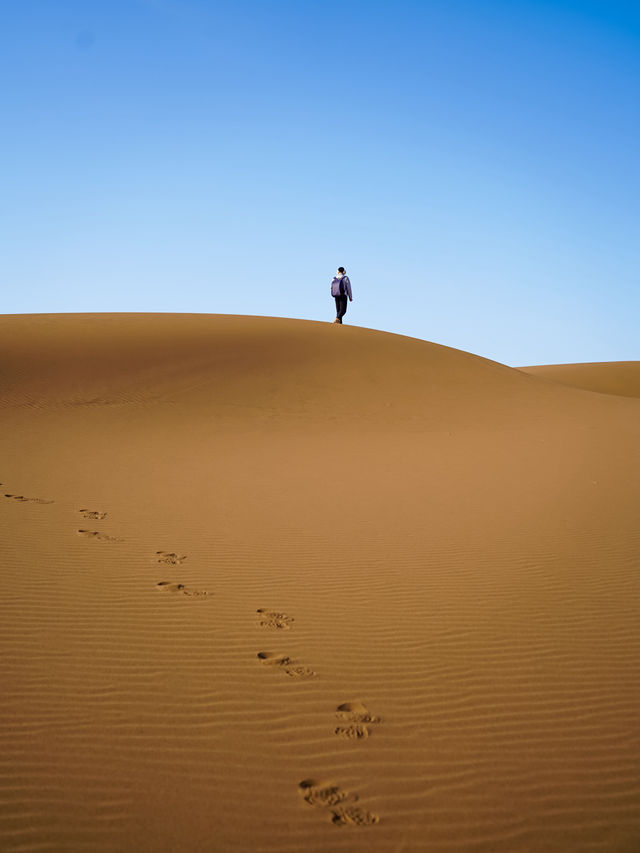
(348, 288)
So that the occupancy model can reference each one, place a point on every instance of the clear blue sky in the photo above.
(473, 163)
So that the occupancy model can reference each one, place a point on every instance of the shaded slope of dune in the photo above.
(289, 367)
(279, 585)
(615, 377)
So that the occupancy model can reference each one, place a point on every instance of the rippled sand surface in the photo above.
(275, 585)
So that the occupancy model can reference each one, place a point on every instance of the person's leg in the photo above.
(341, 302)
(337, 298)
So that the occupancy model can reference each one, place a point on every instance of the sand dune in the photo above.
(616, 377)
(275, 585)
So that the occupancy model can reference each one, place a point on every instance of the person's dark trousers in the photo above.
(341, 307)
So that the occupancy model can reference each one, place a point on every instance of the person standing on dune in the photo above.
(341, 290)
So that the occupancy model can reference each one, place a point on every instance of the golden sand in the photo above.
(275, 585)
(615, 377)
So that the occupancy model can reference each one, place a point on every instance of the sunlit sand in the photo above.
(282, 585)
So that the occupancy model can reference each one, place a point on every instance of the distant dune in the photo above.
(616, 377)
(275, 585)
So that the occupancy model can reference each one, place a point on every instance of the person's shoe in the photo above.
(336, 320)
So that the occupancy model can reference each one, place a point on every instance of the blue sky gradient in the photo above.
(473, 163)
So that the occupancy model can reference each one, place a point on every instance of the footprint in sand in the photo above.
(95, 534)
(272, 619)
(180, 589)
(30, 500)
(92, 513)
(299, 672)
(357, 720)
(353, 816)
(341, 804)
(170, 558)
(285, 665)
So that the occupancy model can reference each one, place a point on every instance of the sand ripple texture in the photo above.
(276, 586)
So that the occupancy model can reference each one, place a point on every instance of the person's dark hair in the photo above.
(340, 269)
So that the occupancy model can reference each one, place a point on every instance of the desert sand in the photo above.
(276, 585)
(616, 377)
